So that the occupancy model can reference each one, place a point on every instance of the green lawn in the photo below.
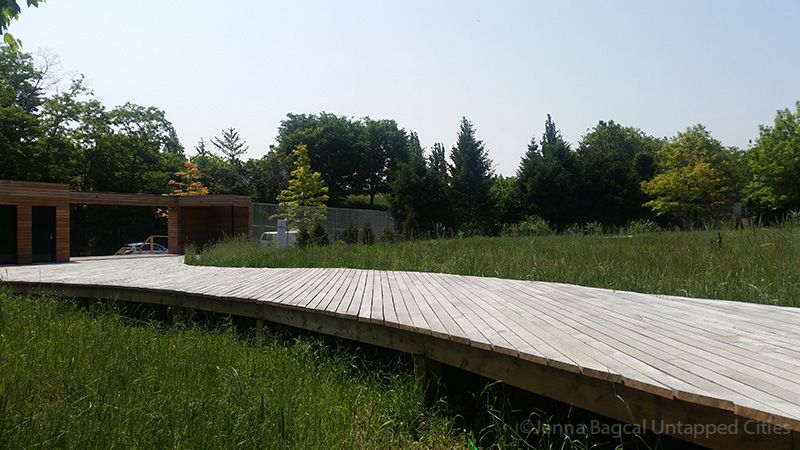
(757, 265)
(78, 379)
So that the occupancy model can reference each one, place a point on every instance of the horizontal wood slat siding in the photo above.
(210, 216)
(162, 201)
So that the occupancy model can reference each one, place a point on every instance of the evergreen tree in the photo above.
(231, 145)
(471, 178)
(201, 148)
(531, 162)
(437, 161)
(303, 201)
(420, 197)
(416, 154)
(268, 175)
(546, 178)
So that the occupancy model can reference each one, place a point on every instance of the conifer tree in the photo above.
(303, 201)
(546, 177)
(231, 145)
(471, 176)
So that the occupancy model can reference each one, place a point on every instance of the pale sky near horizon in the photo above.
(503, 64)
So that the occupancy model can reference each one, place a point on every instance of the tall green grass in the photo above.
(756, 265)
(78, 380)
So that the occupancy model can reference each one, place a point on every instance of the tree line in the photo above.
(614, 175)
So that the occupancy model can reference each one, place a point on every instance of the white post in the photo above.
(281, 239)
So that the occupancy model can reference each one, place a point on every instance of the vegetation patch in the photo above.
(74, 379)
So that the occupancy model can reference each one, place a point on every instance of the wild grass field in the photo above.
(756, 265)
(103, 376)
(93, 379)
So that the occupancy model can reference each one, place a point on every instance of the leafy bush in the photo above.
(388, 234)
(792, 219)
(367, 236)
(319, 236)
(590, 228)
(593, 228)
(575, 228)
(532, 226)
(303, 238)
(350, 234)
(641, 226)
(410, 226)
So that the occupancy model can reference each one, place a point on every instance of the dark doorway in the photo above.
(44, 233)
(8, 234)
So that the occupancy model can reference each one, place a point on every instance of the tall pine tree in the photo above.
(471, 178)
(231, 145)
(437, 160)
(530, 164)
(546, 178)
(420, 193)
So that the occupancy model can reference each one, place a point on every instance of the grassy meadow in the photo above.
(755, 265)
(94, 379)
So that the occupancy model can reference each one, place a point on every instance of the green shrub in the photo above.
(367, 236)
(350, 234)
(388, 234)
(641, 226)
(593, 228)
(410, 226)
(303, 238)
(792, 219)
(532, 226)
(319, 236)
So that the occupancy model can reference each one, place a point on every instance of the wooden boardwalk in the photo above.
(645, 359)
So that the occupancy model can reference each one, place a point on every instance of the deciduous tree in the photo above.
(386, 148)
(336, 145)
(693, 182)
(612, 161)
(10, 10)
(774, 163)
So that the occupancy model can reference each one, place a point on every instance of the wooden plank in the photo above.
(663, 358)
(610, 399)
(651, 351)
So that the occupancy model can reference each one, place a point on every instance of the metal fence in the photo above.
(337, 219)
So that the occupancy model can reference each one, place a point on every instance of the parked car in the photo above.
(270, 238)
(140, 248)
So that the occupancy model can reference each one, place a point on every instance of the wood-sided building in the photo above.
(35, 218)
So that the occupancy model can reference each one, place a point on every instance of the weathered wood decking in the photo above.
(641, 358)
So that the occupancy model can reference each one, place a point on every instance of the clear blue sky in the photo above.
(659, 66)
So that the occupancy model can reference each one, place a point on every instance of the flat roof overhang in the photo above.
(16, 191)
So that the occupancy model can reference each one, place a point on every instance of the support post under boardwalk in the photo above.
(430, 375)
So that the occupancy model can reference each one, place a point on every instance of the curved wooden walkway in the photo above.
(645, 359)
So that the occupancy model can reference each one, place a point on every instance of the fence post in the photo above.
(281, 239)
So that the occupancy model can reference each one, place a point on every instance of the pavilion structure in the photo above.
(35, 218)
